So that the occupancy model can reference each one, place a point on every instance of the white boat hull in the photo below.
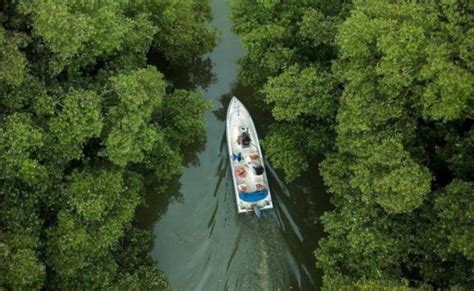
(251, 190)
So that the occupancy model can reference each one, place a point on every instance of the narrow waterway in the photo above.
(201, 242)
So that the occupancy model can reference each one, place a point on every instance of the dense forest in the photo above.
(383, 91)
(87, 120)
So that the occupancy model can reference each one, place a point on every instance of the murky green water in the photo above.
(201, 242)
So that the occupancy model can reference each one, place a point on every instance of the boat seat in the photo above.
(254, 156)
(256, 186)
(243, 187)
(250, 150)
(260, 186)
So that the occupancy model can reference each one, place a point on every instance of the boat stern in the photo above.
(249, 206)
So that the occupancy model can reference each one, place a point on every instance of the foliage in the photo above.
(20, 268)
(291, 94)
(78, 120)
(181, 114)
(84, 122)
(394, 146)
(12, 61)
(180, 44)
(455, 210)
(139, 94)
(76, 33)
(388, 176)
(20, 139)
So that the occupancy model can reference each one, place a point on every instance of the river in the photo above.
(200, 241)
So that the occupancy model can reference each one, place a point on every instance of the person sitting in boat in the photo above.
(257, 169)
(243, 188)
(240, 172)
(244, 138)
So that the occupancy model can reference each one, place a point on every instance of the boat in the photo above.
(252, 192)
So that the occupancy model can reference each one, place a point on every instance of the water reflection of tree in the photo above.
(156, 201)
(158, 197)
(191, 77)
(191, 153)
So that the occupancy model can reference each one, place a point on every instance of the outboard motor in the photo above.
(257, 211)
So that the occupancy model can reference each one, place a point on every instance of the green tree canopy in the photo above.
(407, 98)
(85, 122)
(385, 90)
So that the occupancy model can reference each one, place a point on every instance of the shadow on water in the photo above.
(157, 198)
(156, 203)
(196, 75)
(191, 154)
